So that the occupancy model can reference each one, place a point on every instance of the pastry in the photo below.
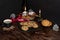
(35, 25)
(6, 29)
(30, 23)
(46, 23)
(12, 27)
(28, 17)
(25, 28)
(21, 23)
(24, 23)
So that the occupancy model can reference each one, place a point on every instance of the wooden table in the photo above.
(17, 34)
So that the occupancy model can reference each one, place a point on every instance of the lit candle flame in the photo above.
(40, 13)
(25, 8)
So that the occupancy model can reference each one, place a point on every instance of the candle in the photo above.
(40, 13)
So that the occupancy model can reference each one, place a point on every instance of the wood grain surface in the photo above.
(17, 34)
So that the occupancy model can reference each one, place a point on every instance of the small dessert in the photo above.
(46, 23)
(27, 17)
(12, 27)
(6, 29)
(30, 23)
(25, 28)
(21, 23)
(35, 25)
(24, 23)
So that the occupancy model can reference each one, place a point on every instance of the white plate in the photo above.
(7, 21)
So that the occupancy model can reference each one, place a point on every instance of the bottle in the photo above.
(24, 12)
(39, 16)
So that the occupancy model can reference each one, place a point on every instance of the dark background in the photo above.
(50, 8)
